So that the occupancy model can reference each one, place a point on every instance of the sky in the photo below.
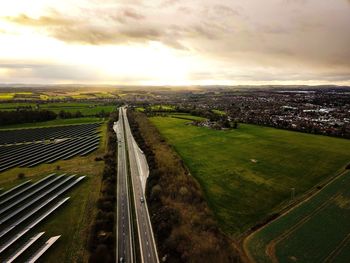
(175, 42)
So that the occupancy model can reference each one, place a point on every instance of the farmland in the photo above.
(219, 112)
(12, 95)
(185, 117)
(321, 224)
(247, 174)
(158, 107)
(61, 94)
(86, 108)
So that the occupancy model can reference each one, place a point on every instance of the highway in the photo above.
(139, 172)
(124, 234)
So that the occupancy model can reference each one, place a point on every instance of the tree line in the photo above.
(101, 242)
(26, 116)
(78, 114)
(184, 226)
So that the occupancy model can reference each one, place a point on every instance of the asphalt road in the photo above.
(138, 171)
(124, 230)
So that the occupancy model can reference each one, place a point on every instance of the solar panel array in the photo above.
(48, 133)
(51, 144)
(26, 206)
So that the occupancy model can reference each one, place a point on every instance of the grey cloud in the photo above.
(133, 14)
(269, 34)
(25, 20)
(169, 3)
(79, 31)
(49, 71)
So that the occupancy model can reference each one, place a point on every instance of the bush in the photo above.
(184, 227)
(101, 254)
(101, 241)
(21, 176)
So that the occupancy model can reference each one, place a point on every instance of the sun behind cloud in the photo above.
(175, 42)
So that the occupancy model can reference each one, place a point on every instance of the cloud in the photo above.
(50, 72)
(43, 21)
(117, 31)
(296, 35)
(133, 14)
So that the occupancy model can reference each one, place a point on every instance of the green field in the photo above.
(87, 109)
(219, 112)
(6, 96)
(55, 95)
(140, 109)
(159, 107)
(186, 117)
(56, 122)
(247, 174)
(12, 95)
(320, 224)
(162, 107)
(14, 106)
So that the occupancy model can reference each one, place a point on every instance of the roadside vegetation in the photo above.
(102, 235)
(184, 227)
(28, 113)
(321, 224)
(247, 174)
(25, 116)
(56, 122)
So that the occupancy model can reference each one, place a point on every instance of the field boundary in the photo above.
(51, 126)
(304, 198)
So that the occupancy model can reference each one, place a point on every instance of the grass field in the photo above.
(73, 219)
(87, 109)
(140, 109)
(11, 95)
(186, 117)
(55, 95)
(162, 107)
(158, 108)
(6, 96)
(219, 112)
(321, 224)
(14, 106)
(247, 174)
(56, 122)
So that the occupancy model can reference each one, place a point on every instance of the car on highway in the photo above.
(142, 199)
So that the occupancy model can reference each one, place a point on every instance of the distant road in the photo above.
(139, 172)
(124, 234)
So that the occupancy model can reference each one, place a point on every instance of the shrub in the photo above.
(21, 176)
